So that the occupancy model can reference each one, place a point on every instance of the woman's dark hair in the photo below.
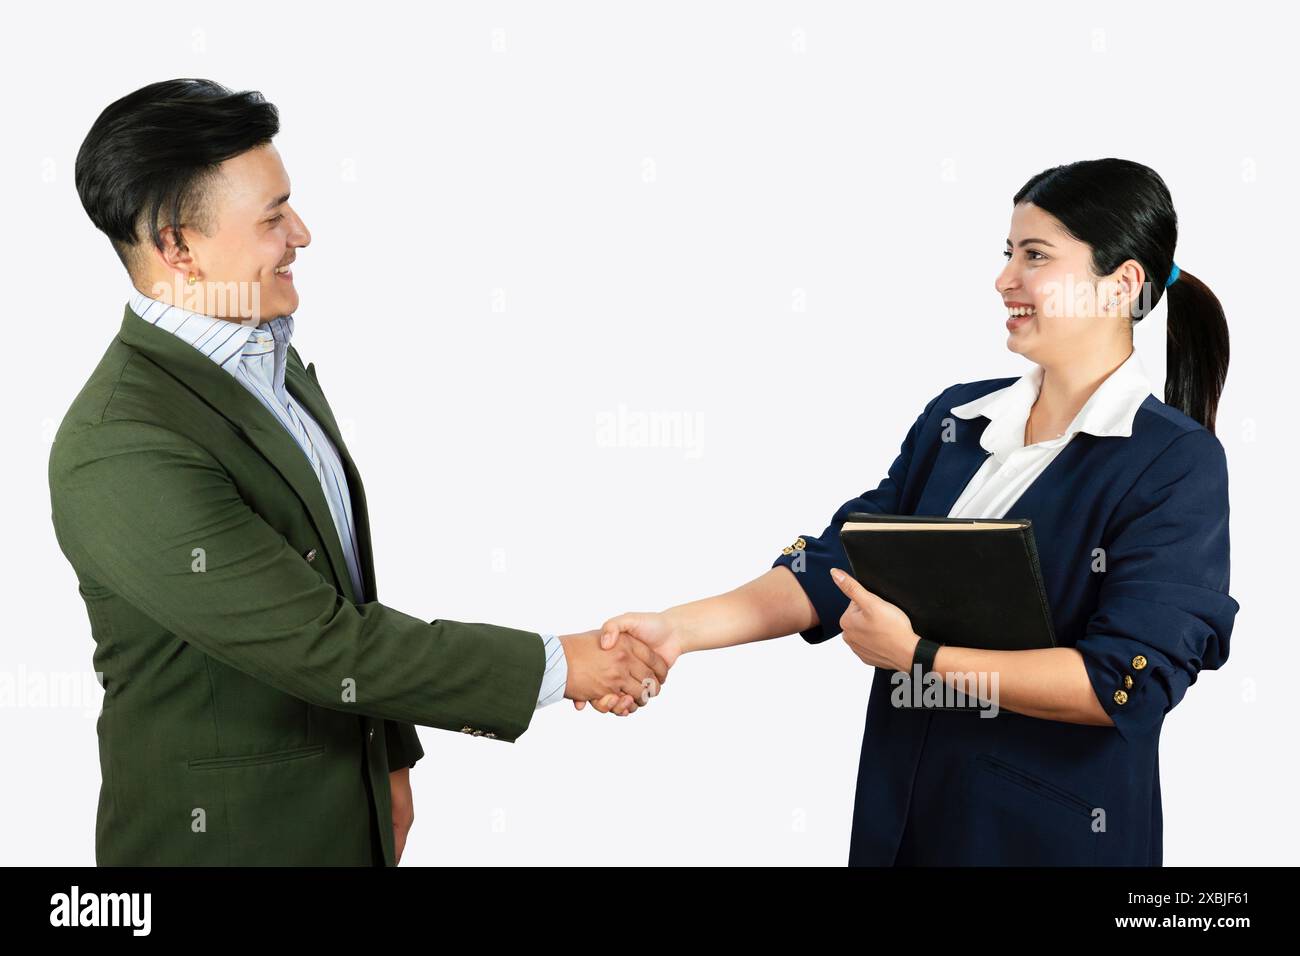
(1123, 211)
(154, 152)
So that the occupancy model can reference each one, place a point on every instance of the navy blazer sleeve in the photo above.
(811, 564)
(1163, 609)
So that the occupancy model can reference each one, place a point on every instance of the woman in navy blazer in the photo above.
(1132, 535)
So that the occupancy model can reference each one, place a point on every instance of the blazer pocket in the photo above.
(1033, 784)
(248, 760)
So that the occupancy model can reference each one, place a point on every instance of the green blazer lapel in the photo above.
(229, 399)
(304, 387)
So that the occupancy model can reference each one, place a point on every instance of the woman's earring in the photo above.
(192, 279)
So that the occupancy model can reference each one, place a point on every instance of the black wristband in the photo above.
(924, 655)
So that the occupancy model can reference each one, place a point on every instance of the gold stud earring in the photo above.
(192, 279)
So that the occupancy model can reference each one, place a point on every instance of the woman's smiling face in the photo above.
(1050, 291)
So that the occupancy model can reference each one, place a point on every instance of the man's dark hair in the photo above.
(152, 154)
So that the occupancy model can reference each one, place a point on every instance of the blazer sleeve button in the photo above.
(1121, 697)
(310, 555)
(1128, 681)
(1139, 662)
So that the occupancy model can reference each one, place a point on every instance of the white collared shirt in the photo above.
(1012, 467)
(256, 356)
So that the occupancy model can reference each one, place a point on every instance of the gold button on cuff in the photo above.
(800, 544)
(1139, 662)
(1121, 697)
(787, 550)
(1128, 682)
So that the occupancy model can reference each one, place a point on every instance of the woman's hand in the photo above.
(880, 633)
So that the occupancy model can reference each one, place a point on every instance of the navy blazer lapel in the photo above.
(221, 392)
(955, 465)
(1070, 460)
(958, 461)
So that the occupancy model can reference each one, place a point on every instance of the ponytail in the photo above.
(1197, 349)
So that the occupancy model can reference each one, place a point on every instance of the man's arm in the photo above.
(132, 505)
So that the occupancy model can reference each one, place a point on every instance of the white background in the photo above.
(652, 192)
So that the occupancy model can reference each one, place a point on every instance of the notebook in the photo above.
(969, 582)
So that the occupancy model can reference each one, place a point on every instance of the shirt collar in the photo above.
(1109, 411)
(225, 342)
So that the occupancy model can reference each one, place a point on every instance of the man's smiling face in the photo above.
(252, 235)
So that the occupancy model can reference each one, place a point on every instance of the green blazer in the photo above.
(253, 704)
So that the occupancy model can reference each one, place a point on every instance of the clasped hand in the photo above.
(618, 675)
(623, 664)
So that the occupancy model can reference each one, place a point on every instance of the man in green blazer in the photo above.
(259, 702)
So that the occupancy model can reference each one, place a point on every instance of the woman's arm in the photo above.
(772, 605)
(1051, 683)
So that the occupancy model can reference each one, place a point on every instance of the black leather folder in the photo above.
(970, 582)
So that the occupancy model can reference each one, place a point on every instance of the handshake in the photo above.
(620, 666)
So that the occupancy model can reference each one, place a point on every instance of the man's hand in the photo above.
(880, 633)
(654, 630)
(627, 671)
(399, 784)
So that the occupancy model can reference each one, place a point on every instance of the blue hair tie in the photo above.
(1173, 276)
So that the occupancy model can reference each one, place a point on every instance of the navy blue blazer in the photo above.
(944, 788)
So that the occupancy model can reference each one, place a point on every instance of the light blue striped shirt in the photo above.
(256, 356)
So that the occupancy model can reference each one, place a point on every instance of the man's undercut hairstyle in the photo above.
(151, 157)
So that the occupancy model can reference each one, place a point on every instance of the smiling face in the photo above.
(1056, 306)
(251, 235)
